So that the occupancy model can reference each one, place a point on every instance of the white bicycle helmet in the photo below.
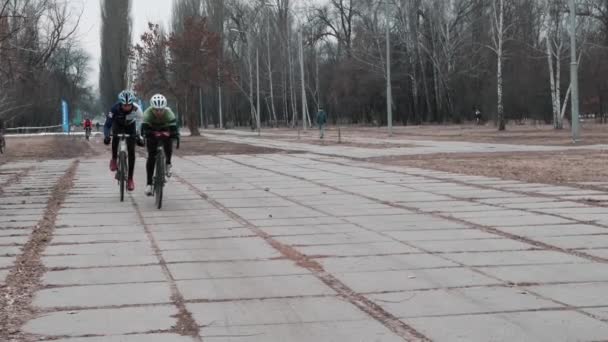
(158, 101)
(126, 97)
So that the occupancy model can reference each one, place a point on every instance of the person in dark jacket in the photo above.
(123, 118)
(321, 122)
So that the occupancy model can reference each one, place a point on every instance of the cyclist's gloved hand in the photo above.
(174, 131)
(140, 141)
(107, 140)
(144, 130)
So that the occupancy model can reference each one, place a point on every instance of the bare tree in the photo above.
(268, 14)
(34, 37)
(555, 43)
(115, 47)
(216, 10)
(245, 29)
(500, 32)
(447, 57)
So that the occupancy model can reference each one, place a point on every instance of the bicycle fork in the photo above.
(122, 147)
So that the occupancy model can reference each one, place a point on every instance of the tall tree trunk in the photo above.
(285, 104)
(273, 111)
(427, 95)
(317, 81)
(554, 100)
(413, 58)
(558, 85)
(192, 114)
(253, 113)
(438, 110)
(438, 103)
(294, 110)
(258, 112)
(499, 79)
(115, 44)
(304, 101)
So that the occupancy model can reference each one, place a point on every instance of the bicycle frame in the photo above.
(123, 164)
(160, 171)
(122, 145)
(161, 137)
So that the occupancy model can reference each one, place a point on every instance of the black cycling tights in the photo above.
(130, 129)
(152, 145)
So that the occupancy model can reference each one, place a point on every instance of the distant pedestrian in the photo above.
(321, 122)
(477, 115)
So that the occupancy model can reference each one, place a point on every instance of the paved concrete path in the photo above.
(410, 147)
(310, 248)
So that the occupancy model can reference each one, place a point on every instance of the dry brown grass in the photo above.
(564, 167)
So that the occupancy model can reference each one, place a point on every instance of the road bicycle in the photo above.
(122, 173)
(160, 168)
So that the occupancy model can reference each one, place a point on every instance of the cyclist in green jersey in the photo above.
(158, 118)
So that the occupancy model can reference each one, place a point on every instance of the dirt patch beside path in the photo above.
(591, 133)
(45, 147)
(565, 167)
(518, 135)
(202, 146)
(353, 144)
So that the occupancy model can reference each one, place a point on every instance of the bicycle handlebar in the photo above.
(161, 134)
(124, 135)
(165, 135)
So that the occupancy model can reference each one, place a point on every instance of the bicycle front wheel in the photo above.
(159, 178)
(122, 174)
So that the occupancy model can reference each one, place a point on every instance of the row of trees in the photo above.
(238, 61)
(40, 62)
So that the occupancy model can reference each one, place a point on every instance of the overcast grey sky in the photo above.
(88, 32)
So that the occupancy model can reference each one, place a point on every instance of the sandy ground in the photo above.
(204, 146)
(565, 167)
(61, 147)
(523, 135)
(335, 142)
(43, 148)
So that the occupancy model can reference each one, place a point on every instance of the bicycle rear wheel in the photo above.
(159, 178)
(122, 174)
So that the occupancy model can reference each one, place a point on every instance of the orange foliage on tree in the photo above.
(151, 58)
(194, 54)
(178, 65)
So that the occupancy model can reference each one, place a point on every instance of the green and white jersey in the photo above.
(164, 121)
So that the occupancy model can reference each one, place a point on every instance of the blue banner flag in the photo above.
(65, 116)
